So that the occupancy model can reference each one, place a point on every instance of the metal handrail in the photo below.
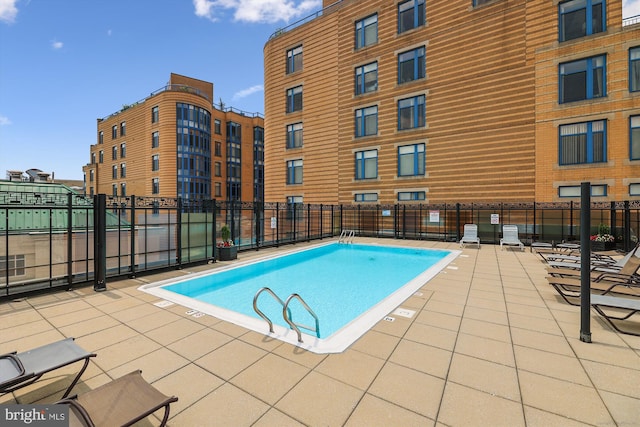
(295, 326)
(346, 236)
(260, 313)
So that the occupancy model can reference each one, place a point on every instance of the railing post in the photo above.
(132, 236)
(99, 242)
(627, 226)
(585, 262)
(458, 237)
(179, 233)
(69, 239)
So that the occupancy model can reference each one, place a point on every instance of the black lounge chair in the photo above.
(18, 370)
(122, 402)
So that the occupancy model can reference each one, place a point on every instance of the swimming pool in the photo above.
(350, 287)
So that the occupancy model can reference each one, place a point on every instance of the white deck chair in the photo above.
(510, 236)
(470, 235)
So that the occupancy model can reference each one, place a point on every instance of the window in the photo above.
(367, 164)
(114, 152)
(294, 171)
(155, 162)
(367, 78)
(13, 264)
(634, 137)
(407, 196)
(114, 172)
(634, 189)
(411, 65)
(294, 99)
(123, 129)
(123, 170)
(93, 158)
(123, 150)
(367, 31)
(123, 190)
(217, 128)
(155, 186)
(100, 137)
(575, 191)
(411, 160)
(91, 175)
(114, 189)
(218, 189)
(154, 115)
(294, 59)
(217, 169)
(579, 18)
(294, 135)
(410, 15)
(367, 121)
(155, 140)
(634, 69)
(583, 143)
(114, 132)
(583, 79)
(101, 156)
(411, 113)
(218, 149)
(366, 197)
(479, 2)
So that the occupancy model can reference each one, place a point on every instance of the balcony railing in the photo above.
(632, 20)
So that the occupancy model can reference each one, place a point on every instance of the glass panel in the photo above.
(574, 87)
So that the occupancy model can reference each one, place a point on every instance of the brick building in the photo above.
(176, 143)
(433, 101)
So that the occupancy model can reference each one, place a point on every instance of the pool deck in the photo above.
(490, 343)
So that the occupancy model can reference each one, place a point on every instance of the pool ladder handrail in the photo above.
(286, 312)
(346, 236)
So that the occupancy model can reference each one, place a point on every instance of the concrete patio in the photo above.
(490, 344)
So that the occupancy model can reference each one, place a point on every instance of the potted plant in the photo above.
(603, 241)
(226, 249)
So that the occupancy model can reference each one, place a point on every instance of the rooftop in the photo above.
(491, 343)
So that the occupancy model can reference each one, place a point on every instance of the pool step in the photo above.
(286, 312)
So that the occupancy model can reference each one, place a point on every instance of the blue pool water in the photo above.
(339, 282)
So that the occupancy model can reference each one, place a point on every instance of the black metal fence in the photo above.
(62, 241)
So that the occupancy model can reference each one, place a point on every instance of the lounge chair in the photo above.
(21, 369)
(510, 236)
(623, 309)
(470, 235)
(121, 402)
(626, 281)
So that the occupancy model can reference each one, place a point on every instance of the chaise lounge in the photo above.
(470, 235)
(510, 237)
(18, 370)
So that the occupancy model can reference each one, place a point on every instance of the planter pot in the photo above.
(602, 246)
(227, 253)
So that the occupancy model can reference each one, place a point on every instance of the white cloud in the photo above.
(257, 11)
(630, 8)
(248, 91)
(56, 44)
(4, 121)
(8, 11)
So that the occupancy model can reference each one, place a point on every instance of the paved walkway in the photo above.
(491, 344)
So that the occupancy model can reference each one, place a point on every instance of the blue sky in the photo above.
(66, 63)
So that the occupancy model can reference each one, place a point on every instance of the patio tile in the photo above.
(409, 389)
(299, 355)
(486, 303)
(154, 365)
(424, 358)
(617, 379)
(86, 315)
(464, 406)
(485, 329)
(199, 343)
(561, 397)
(265, 342)
(397, 328)
(200, 383)
(18, 333)
(605, 353)
(376, 343)
(551, 365)
(174, 331)
(372, 411)
(136, 312)
(270, 378)
(533, 323)
(125, 351)
(353, 368)
(431, 335)
(487, 315)
(541, 341)
(492, 378)
(230, 359)
(273, 417)
(537, 418)
(485, 348)
(320, 400)
(106, 337)
(225, 406)
(155, 319)
(625, 410)
(445, 307)
(445, 321)
(64, 307)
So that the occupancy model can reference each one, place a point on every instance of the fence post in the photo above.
(69, 239)
(458, 237)
(179, 234)
(133, 236)
(214, 243)
(612, 216)
(627, 226)
(585, 262)
(99, 242)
